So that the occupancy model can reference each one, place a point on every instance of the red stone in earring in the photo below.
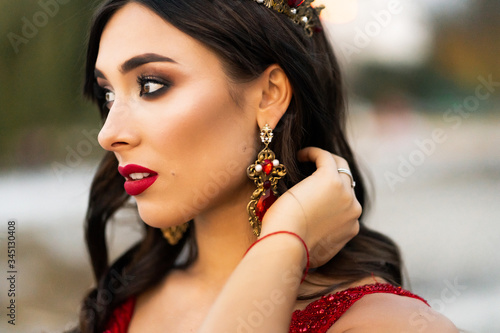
(265, 172)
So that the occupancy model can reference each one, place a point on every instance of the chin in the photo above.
(159, 216)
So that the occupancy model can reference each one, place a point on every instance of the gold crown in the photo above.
(300, 11)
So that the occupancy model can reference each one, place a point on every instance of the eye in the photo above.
(109, 98)
(104, 98)
(151, 86)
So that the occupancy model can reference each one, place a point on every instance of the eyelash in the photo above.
(100, 92)
(100, 97)
(144, 79)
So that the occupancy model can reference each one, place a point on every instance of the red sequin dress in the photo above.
(317, 317)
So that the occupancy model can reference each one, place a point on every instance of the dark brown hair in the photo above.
(247, 37)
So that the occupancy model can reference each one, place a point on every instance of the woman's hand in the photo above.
(322, 209)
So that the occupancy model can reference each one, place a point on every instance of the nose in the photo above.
(119, 131)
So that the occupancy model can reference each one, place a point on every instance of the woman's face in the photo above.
(171, 112)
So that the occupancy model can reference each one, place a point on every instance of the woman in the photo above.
(197, 97)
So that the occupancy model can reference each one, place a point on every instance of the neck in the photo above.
(223, 235)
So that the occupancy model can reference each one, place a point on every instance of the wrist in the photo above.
(289, 243)
(273, 222)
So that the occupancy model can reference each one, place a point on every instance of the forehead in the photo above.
(135, 29)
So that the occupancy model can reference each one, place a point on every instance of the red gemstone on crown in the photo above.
(295, 3)
(265, 201)
(267, 166)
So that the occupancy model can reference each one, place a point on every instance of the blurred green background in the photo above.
(407, 65)
(42, 52)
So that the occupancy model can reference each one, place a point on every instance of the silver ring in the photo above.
(347, 172)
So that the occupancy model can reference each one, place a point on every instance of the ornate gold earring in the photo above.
(174, 234)
(265, 172)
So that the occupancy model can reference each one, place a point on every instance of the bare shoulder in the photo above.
(392, 313)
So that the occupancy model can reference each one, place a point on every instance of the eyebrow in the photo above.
(137, 61)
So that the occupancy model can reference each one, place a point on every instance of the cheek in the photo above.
(203, 148)
(205, 132)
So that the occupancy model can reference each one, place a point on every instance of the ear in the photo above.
(276, 96)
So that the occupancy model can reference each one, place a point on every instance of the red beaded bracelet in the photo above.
(290, 233)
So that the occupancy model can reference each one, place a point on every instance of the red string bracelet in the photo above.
(290, 233)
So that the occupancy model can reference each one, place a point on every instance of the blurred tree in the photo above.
(41, 67)
(465, 47)
(468, 46)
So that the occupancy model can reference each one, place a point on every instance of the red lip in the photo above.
(136, 187)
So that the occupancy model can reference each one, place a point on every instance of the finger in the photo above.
(341, 162)
(346, 171)
(320, 157)
(328, 161)
(346, 174)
